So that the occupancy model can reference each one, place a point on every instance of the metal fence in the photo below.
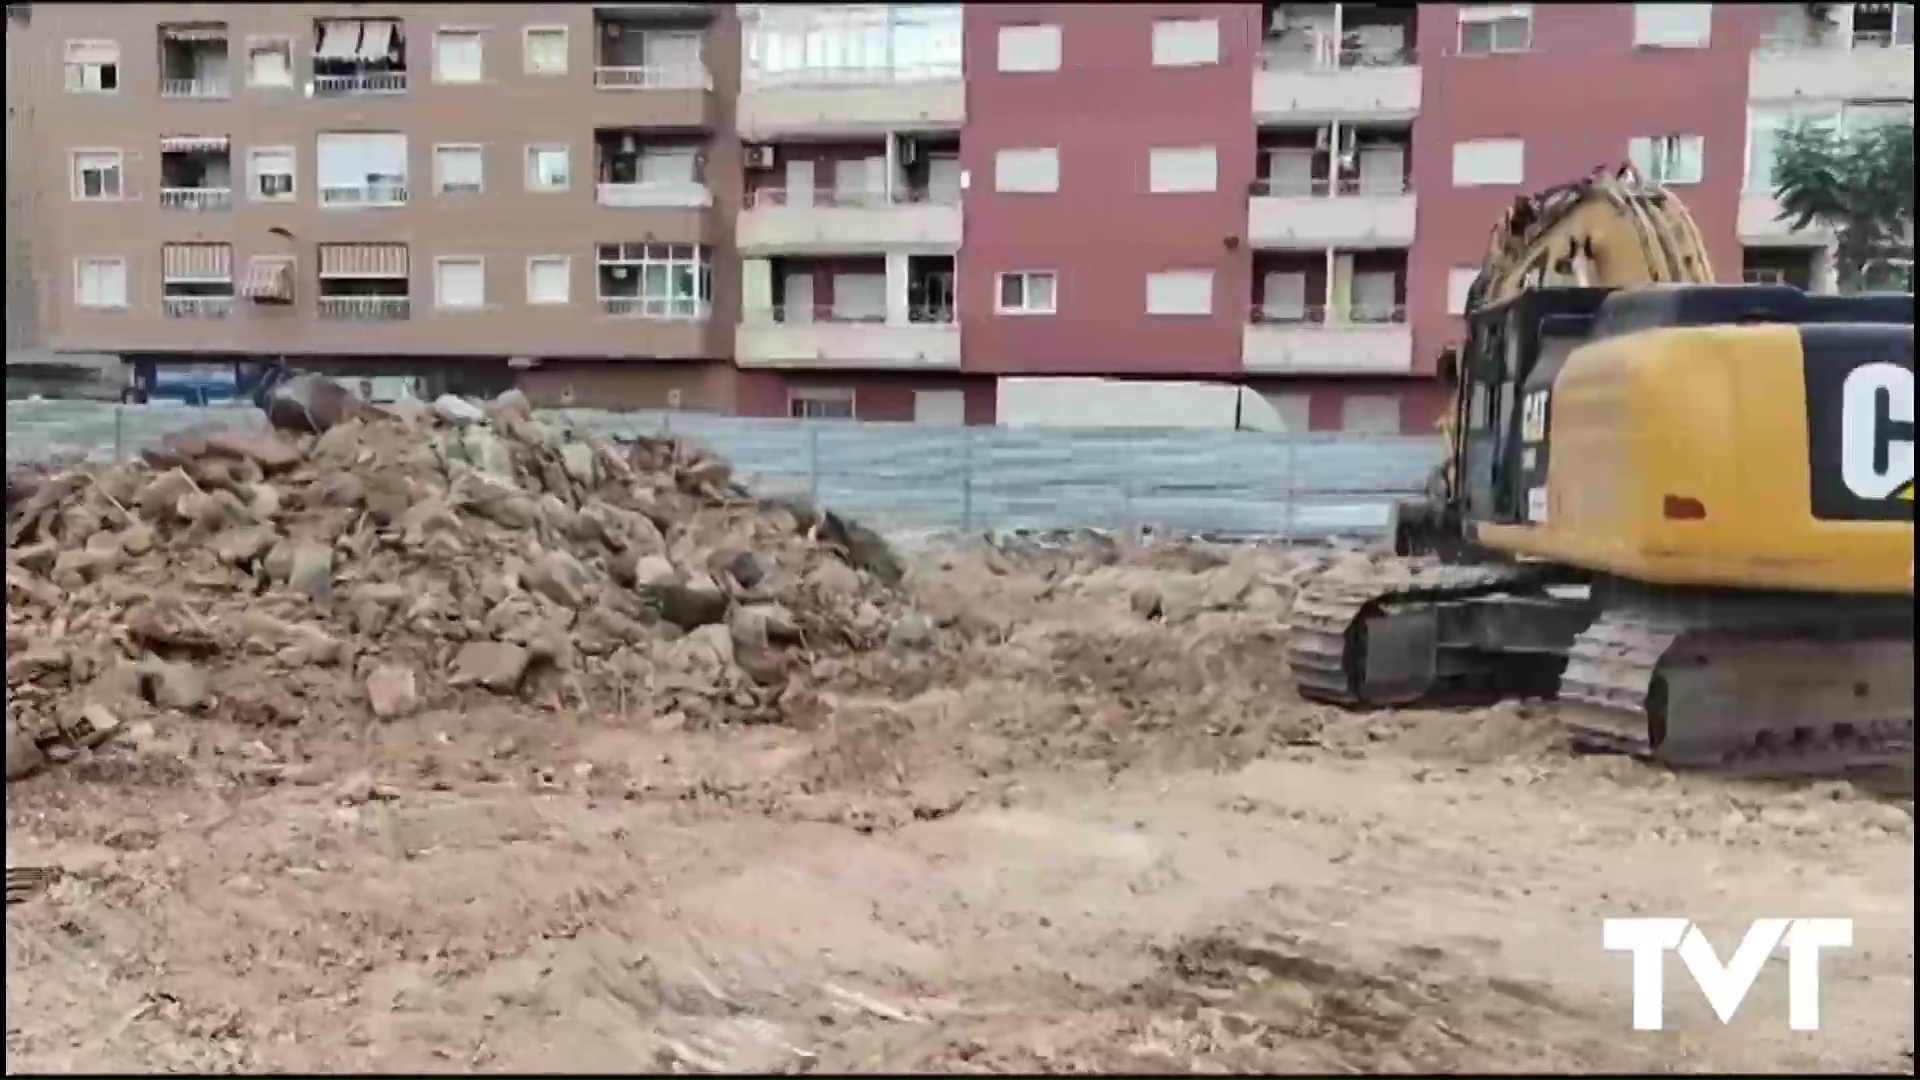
(907, 477)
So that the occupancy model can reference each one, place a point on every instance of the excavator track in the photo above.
(1774, 697)
(1329, 635)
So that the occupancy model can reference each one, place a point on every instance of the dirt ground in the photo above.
(1086, 840)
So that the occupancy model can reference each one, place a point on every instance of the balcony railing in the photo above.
(653, 77)
(1323, 57)
(659, 308)
(197, 307)
(1320, 315)
(789, 315)
(653, 194)
(859, 199)
(349, 195)
(194, 88)
(1782, 45)
(196, 198)
(366, 308)
(824, 75)
(370, 82)
(1284, 188)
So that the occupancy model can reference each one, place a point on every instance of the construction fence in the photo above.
(916, 478)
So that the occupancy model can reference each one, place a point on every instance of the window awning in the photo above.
(192, 144)
(339, 39)
(194, 33)
(376, 39)
(269, 281)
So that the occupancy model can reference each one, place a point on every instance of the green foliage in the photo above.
(1860, 185)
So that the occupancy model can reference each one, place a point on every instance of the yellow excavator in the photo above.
(1683, 509)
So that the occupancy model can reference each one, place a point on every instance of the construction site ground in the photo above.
(1070, 815)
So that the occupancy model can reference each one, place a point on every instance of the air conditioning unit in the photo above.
(759, 157)
(909, 150)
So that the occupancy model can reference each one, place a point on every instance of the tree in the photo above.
(1860, 185)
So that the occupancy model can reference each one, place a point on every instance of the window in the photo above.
(460, 282)
(1029, 48)
(1669, 159)
(1672, 26)
(1459, 280)
(93, 67)
(655, 281)
(548, 168)
(820, 403)
(100, 283)
(1027, 292)
(1489, 161)
(1031, 171)
(272, 171)
(1485, 30)
(1182, 169)
(1763, 137)
(458, 170)
(546, 50)
(549, 279)
(1186, 42)
(457, 56)
(270, 62)
(96, 175)
(1370, 414)
(1180, 292)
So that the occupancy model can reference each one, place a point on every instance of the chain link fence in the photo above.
(907, 477)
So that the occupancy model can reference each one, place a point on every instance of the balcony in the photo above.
(1863, 67)
(655, 59)
(816, 336)
(1315, 81)
(851, 101)
(1761, 225)
(1328, 341)
(1352, 212)
(196, 173)
(775, 221)
(365, 308)
(359, 57)
(197, 307)
(346, 196)
(194, 61)
(364, 83)
(653, 195)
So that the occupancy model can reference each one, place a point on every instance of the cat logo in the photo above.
(1875, 461)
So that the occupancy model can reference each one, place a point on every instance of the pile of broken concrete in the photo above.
(414, 558)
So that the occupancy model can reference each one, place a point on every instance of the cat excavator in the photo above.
(1683, 509)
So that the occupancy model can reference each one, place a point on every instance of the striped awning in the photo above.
(203, 32)
(192, 144)
(269, 280)
(197, 262)
(363, 260)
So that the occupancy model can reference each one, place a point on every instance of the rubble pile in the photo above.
(420, 558)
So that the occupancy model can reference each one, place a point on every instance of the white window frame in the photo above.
(1035, 155)
(440, 263)
(532, 173)
(1166, 164)
(1459, 280)
(75, 71)
(440, 174)
(1488, 15)
(1171, 49)
(1519, 178)
(1037, 48)
(526, 50)
(480, 55)
(566, 279)
(824, 395)
(254, 154)
(1184, 278)
(79, 274)
(1650, 152)
(1026, 292)
(1657, 26)
(670, 307)
(75, 175)
(262, 43)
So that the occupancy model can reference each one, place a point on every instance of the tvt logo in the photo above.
(1876, 432)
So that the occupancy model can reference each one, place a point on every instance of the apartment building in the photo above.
(884, 211)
